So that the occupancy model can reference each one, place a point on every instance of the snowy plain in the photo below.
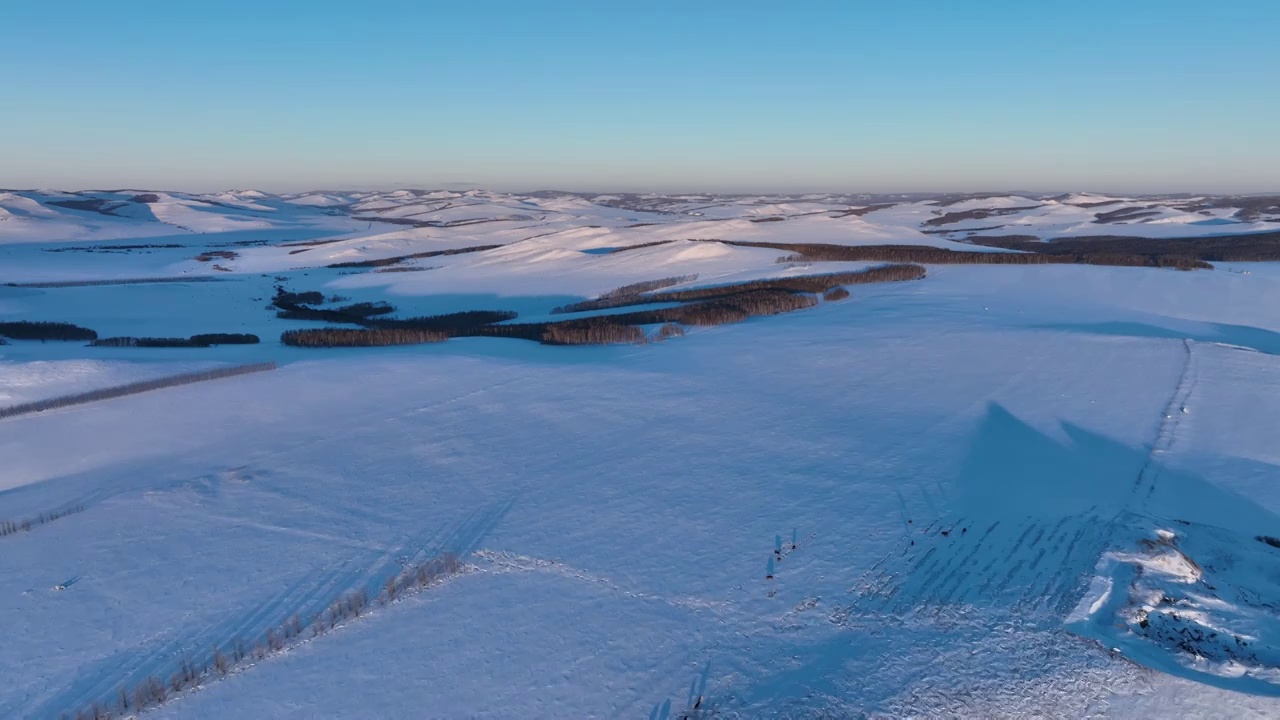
(995, 475)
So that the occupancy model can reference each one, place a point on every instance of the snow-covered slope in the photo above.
(49, 216)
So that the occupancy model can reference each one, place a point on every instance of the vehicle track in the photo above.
(1018, 564)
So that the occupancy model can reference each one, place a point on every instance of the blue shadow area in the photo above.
(1264, 341)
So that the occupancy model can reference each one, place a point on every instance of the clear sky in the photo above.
(891, 95)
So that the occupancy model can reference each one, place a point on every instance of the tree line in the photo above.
(29, 330)
(801, 284)
(203, 340)
(396, 260)
(133, 388)
(1084, 252)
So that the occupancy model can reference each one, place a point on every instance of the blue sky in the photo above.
(1127, 95)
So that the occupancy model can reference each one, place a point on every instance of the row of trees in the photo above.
(628, 248)
(28, 330)
(626, 327)
(645, 286)
(11, 527)
(623, 295)
(138, 695)
(801, 284)
(448, 321)
(383, 262)
(591, 331)
(699, 307)
(355, 313)
(1162, 252)
(284, 298)
(1136, 252)
(370, 314)
(362, 337)
(979, 214)
(209, 255)
(195, 341)
(133, 388)
(120, 281)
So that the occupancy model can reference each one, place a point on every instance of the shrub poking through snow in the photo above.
(209, 255)
(26, 330)
(835, 294)
(238, 652)
(669, 330)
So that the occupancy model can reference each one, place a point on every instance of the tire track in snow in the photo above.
(1028, 566)
(961, 573)
(906, 576)
(951, 563)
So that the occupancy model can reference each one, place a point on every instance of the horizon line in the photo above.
(665, 193)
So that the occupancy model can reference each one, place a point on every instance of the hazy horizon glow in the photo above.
(911, 96)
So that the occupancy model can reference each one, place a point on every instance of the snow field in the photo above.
(990, 473)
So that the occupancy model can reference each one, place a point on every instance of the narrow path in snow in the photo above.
(1174, 411)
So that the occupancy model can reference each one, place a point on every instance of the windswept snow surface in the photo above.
(1015, 490)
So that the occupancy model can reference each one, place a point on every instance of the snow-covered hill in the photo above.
(52, 216)
(1015, 489)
